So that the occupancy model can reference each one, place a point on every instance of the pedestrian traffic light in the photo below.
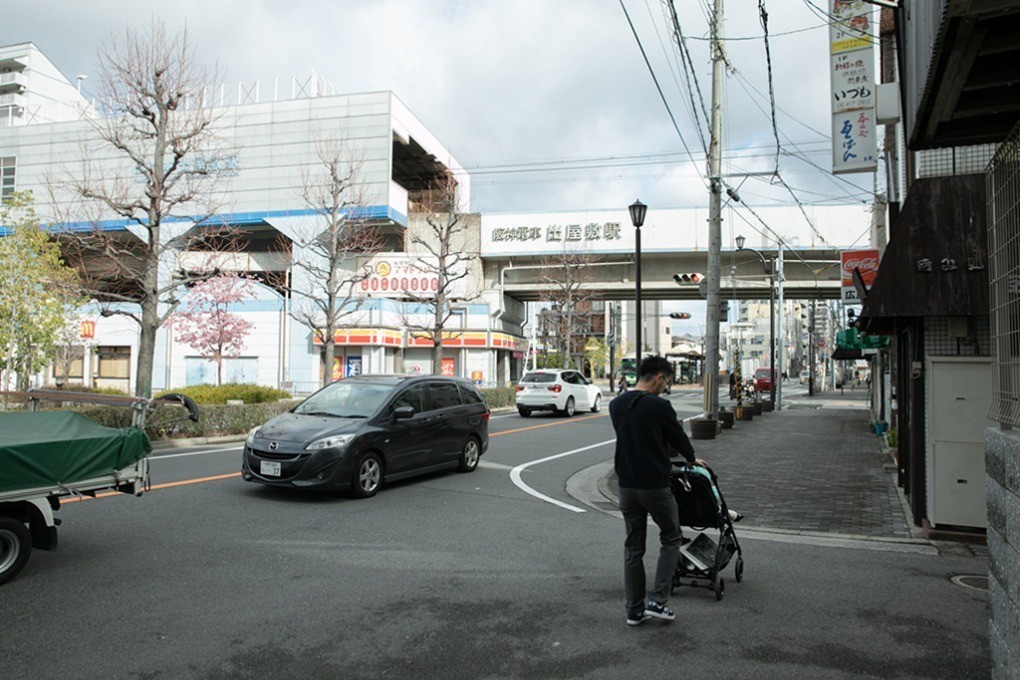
(679, 315)
(692, 277)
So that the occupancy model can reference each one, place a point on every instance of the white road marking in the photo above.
(198, 453)
(515, 475)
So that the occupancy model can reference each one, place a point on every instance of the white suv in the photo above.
(557, 389)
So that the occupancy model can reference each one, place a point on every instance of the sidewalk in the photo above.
(814, 467)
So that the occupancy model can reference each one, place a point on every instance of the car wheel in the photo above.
(597, 406)
(470, 455)
(525, 412)
(568, 408)
(15, 547)
(367, 477)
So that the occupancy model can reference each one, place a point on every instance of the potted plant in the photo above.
(726, 418)
(704, 428)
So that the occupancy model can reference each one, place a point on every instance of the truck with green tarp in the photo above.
(46, 456)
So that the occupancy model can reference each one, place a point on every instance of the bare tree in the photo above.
(569, 278)
(162, 181)
(325, 254)
(441, 238)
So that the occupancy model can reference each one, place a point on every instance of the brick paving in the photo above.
(813, 467)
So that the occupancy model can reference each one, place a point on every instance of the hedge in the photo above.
(219, 394)
(170, 422)
(216, 418)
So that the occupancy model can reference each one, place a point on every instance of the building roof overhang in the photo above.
(971, 91)
(936, 261)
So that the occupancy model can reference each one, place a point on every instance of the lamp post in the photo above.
(637, 218)
(772, 318)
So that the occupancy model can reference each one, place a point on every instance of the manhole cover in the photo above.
(975, 582)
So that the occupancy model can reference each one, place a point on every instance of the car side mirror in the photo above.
(403, 412)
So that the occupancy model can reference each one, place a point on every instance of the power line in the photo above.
(665, 103)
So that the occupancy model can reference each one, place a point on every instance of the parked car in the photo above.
(763, 380)
(561, 390)
(364, 431)
(805, 377)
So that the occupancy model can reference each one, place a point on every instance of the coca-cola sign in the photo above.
(865, 261)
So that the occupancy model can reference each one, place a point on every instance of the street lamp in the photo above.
(772, 319)
(637, 218)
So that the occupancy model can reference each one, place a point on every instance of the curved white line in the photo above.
(515, 475)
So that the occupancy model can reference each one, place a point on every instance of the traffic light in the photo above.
(679, 315)
(692, 277)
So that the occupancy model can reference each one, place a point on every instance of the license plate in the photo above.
(270, 468)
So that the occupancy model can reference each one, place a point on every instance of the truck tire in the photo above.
(15, 547)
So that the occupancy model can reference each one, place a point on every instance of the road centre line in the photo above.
(538, 427)
(156, 487)
(515, 475)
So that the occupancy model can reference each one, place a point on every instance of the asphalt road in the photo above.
(500, 573)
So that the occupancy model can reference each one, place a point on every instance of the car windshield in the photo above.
(346, 399)
(762, 373)
(539, 378)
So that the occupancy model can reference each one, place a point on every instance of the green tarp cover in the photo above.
(60, 447)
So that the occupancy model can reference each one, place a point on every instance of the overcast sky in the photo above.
(512, 87)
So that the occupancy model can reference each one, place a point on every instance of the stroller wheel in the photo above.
(720, 588)
(738, 570)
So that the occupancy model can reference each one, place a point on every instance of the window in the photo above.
(470, 395)
(444, 394)
(114, 362)
(6, 178)
(414, 397)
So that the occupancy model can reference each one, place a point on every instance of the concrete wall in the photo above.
(1002, 486)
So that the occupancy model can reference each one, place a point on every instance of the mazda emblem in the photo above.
(273, 446)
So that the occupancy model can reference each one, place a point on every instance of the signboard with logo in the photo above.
(400, 275)
(448, 367)
(852, 76)
(866, 262)
(353, 365)
(88, 330)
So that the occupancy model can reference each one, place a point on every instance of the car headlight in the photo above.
(333, 442)
(252, 433)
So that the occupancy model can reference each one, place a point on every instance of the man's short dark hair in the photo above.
(653, 366)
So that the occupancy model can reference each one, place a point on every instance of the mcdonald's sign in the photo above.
(88, 330)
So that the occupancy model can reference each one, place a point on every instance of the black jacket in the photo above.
(648, 434)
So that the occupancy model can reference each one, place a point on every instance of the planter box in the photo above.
(767, 406)
(703, 428)
(756, 409)
(727, 418)
(745, 413)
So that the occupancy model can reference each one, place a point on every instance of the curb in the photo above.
(196, 441)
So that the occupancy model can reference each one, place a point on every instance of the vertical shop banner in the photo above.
(337, 372)
(448, 366)
(866, 262)
(353, 365)
(852, 92)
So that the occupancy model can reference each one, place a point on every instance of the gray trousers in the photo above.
(637, 505)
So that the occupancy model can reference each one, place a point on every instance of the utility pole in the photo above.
(714, 220)
(781, 338)
(811, 350)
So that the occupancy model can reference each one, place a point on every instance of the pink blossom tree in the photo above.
(206, 324)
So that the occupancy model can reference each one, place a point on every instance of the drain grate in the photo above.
(972, 581)
(979, 550)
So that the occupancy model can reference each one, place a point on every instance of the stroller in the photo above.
(701, 506)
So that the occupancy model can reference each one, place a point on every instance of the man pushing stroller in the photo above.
(648, 434)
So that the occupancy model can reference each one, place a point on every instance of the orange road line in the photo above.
(215, 478)
(538, 427)
(156, 487)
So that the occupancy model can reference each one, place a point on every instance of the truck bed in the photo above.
(60, 453)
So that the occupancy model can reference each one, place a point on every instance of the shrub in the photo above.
(499, 397)
(219, 394)
(891, 438)
(171, 421)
